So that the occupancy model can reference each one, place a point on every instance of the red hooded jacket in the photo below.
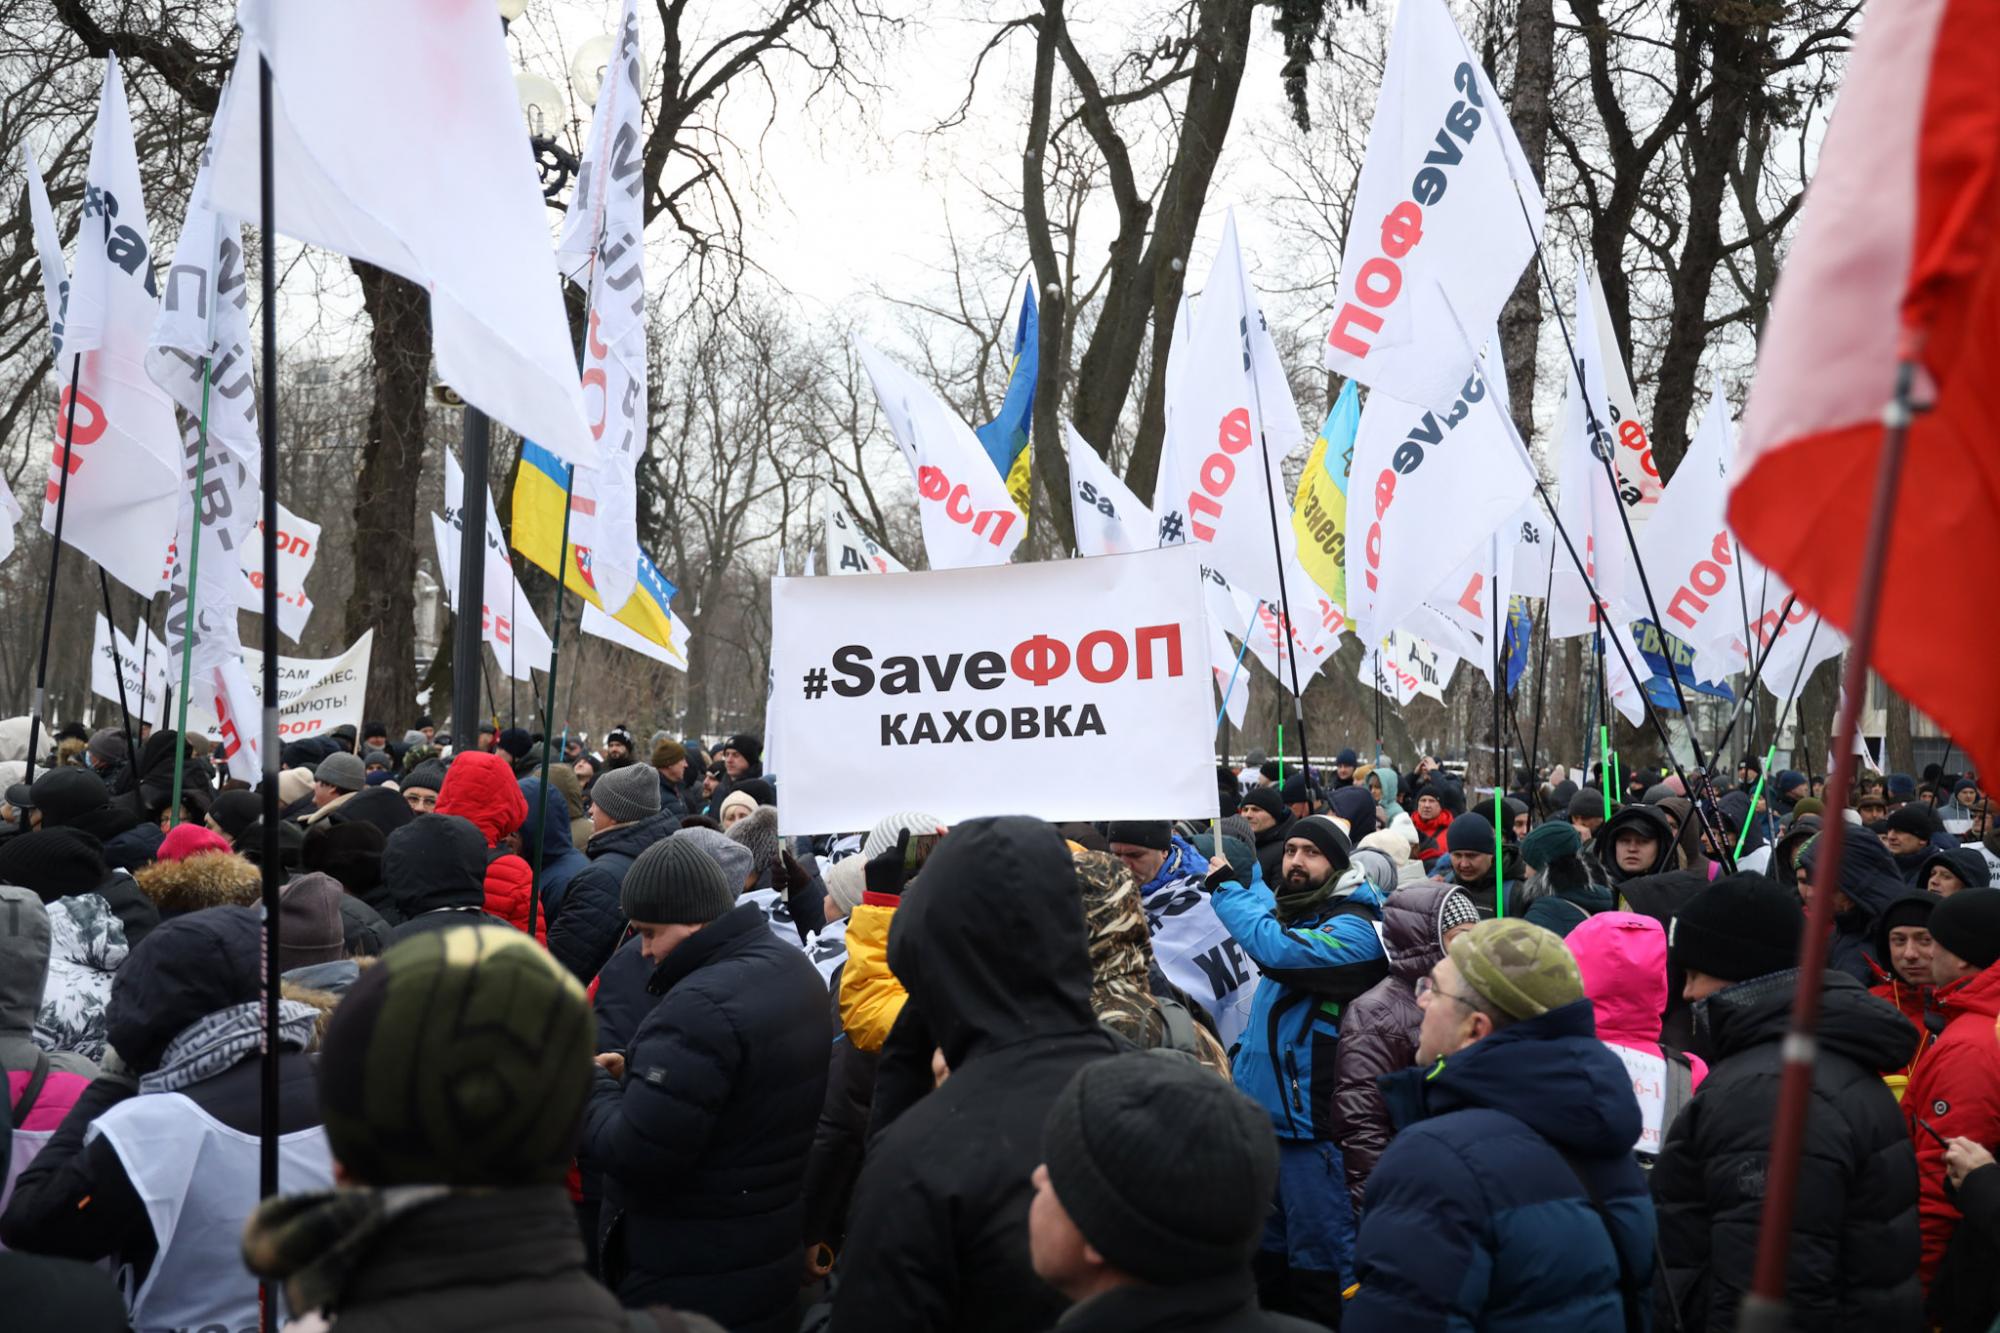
(481, 788)
(1955, 1088)
(1432, 832)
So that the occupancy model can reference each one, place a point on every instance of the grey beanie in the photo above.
(732, 856)
(757, 832)
(675, 883)
(343, 771)
(628, 794)
(846, 881)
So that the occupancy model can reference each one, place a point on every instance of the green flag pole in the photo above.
(190, 617)
(1281, 760)
(1604, 762)
(1755, 792)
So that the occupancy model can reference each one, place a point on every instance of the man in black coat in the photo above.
(990, 945)
(1854, 1243)
(434, 871)
(1271, 823)
(626, 819)
(702, 1125)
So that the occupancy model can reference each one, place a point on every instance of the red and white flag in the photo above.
(1898, 248)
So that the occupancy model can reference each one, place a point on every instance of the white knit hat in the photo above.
(846, 879)
(883, 836)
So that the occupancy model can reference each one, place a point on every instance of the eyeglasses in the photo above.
(1427, 988)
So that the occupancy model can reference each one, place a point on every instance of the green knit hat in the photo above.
(1521, 969)
(462, 1058)
(1546, 842)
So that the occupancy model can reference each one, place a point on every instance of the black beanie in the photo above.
(54, 862)
(1916, 819)
(1167, 1170)
(1324, 834)
(675, 883)
(1910, 910)
(1968, 924)
(515, 741)
(1586, 803)
(1739, 927)
(1265, 799)
(1156, 834)
(1297, 790)
(65, 794)
(1470, 832)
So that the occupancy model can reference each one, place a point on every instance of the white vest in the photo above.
(1199, 955)
(198, 1180)
(26, 1143)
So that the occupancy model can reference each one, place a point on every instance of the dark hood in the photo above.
(990, 942)
(24, 957)
(185, 970)
(1410, 928)
(386, 810)
(1873, 1033)
(1785, 855)
(434, 862)
(1551, 1073)
(1650, 820)
(554, 837)
(1868, 873)
(1964, 862)
(104, 823)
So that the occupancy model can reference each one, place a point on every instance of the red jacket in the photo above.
(1955, 1088)
(1916, 1002)
(481, 788)
(1432, 833)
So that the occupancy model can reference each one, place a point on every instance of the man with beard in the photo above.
(1318, 949)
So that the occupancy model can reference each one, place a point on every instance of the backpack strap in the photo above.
(1679, 1089)
(1180, 1026)
(26, 1101)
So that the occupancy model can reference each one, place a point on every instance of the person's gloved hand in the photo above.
(1220, 872)
(885, 872)
(796, 877)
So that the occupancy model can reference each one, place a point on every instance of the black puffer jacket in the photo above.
(1378, 1033)
(1853, 1252)
(990, 945)
(434, 871)
(703, 1145)
(591, 921)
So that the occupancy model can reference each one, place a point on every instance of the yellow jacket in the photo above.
(870, 995)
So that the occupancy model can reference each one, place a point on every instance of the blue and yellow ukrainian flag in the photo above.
(539, 491)
(1006, 436)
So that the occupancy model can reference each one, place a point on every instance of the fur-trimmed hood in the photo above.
(206, 879)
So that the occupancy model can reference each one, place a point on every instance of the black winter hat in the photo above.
(1470, 832)
(1265, 799)
(1586, 803)
(1916, 819)
(1324, 834)
(1346, 759)
(1739, 927)
(235, 811)
(351, 852)
(516, 742)
(1968, 924)
(54, 862)
(67, 794)
(675, 883)
(1155, 834)
(291, 843)
(186, 968)
(1166, 1169)
(1963, 862)
(746, 743)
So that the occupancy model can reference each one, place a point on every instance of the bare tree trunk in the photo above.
(385, 497)
(1899, 754)
(1521, 317)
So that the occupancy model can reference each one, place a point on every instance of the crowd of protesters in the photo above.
(610, 1050)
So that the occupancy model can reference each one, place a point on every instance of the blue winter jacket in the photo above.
(1474, 1219)
(560, 858)
(1293, 1024)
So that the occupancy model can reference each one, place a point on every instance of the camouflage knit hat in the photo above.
(461, 1058)
(1521, 969)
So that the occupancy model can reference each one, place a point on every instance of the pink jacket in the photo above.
(1623, 958)
(59, 1092)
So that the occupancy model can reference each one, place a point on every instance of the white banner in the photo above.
(1439, 233)
(315, 695)
(123, 458)
(961, 691)
(849, 550)
(969, 518)
(508, 623)
(143, 664)
(298, 550)
(1108, 518)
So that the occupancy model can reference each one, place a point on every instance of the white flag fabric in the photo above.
(1438, 231)
(1406, 666)
(209, 577)
(969, 518)
(1219, 481)
(1639, 483)
(520, 644)
(1586, 502)
(397, 139)
(604, 627)
(298, 552)
(603, 250)
(124, 456)
(1108, 518)
(1232, 674)
(1803, 641)
(233, 701)
(48, 247)
(849, 550)
(141, 663)
(1428, 489)
(1690, 551)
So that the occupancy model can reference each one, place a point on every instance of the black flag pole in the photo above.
(1290, 629)
(118, 670)
(274, 873)
(40, 706)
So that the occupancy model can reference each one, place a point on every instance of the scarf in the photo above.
(1295, 905)
(210, 1045)
(314, 1242)
(1182, 862)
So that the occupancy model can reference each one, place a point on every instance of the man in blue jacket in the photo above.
(1318, 949)
(1509, 1200)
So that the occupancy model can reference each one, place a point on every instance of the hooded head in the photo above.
(1623, 958)
(433, 862)
(991, 946)
(24, 963)
(350, 852)
(480, 787)
(1414, 922)
(1645, 821)
(183, 971)
(1357, 807)
(1868, 874)
(553, 837)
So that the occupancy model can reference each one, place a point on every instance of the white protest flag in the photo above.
(605, 627)
(1639, 483)
(225, 526)
(397, 139)
(48, 247)
(1432, 488)
(234, 703)
(849, 550)
(603, 250)
(963, 689)
(1691, 552)
(139, 664)
(1405, 666)
(315, 694)
(1232, 678)
(1586, 502)
(1439, 227)
(508, 623)
(1803, 641)
(124, 455)
(298, 551)
(969, 518)
(1109, 519)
